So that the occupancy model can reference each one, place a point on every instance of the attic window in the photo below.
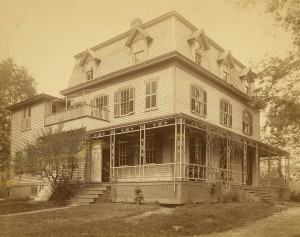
(138, 50)
(198, 54)
(89, 70)
(225, 73)
(247, 85)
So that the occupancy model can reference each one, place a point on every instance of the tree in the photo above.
(16, 84)
(53, 156)
(279, 79)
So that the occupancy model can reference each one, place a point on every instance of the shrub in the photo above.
(138, 195)
(231, 196)
(295, 196)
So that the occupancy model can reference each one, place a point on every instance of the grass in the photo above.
(13, 206)
(130, 220)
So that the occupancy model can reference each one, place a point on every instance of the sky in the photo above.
(44, 35)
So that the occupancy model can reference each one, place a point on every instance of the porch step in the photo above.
(257, 194)
(88, 194)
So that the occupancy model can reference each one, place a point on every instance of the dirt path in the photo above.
(285, 224)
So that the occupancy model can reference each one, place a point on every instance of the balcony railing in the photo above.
(73, 113)
(273, 182)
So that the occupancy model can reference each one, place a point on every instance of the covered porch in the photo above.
(179, 149)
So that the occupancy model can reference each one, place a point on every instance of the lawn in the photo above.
(136, 220)
(12, 206)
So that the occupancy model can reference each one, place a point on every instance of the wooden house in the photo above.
(165, 108)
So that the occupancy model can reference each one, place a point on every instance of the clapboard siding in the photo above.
(163, 74)
(117, 55)
(185, 77)
(210, 56)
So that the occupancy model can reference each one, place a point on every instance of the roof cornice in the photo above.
(172, 55)
(31, 100)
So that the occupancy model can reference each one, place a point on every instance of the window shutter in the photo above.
(230, 114)
(251, 124)
(193, 95)
(221, 111)
(116, 104)
(131, 100)
(205, 103)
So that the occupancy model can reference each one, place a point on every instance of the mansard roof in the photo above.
(247, 71)
(88, 53)
(199, 34)
(226, 55)
(137, 30)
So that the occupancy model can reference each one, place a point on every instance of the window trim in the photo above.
(226, 112)
(202, 100)
(150, 81)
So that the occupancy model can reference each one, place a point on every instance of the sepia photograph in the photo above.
(150, 118)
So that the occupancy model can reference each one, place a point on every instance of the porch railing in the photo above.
(273, 182)
(73, 113)
(148, 172)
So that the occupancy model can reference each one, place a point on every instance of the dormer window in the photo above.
(138, 42)
(89, 70)
(89, 61)
(247, 86)
(198, 54)
(225, 69)
(138, 50)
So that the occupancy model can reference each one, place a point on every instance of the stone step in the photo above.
(94, 188)
(84, 200)
(86, 196)
(89, 192)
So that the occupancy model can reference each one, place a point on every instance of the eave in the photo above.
(171, 56)
(31, 100)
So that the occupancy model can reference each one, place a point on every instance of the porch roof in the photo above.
(156, 122)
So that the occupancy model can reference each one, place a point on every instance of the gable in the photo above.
(226, 55)
(247, 71)
(89, 54)
(199, 35)
(138, 32)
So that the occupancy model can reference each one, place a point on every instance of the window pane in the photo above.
(147, 102)
(153, 87)
(139, 45)
(139, 57)
(147, 88)
(153, 101)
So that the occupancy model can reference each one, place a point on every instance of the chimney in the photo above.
(136, 22)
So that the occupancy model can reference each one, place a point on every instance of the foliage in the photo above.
(295, 196)
(54, 155)
(16, 84)
(138, 195)
(279, 80)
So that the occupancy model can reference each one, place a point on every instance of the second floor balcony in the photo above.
(84, 115)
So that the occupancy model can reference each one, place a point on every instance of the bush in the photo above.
(138, 195)
(231, 196)
(295, 196)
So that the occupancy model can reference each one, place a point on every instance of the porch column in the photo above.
(87, 177)
(269, 168)
(66, 102)
(142, 150)
(228, 176)
(257, 166)
(112, 138)
(175, 152)
(288, 171)
(245, 163)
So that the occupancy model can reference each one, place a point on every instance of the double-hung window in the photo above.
(124, 102)
(225, 113)
(100, 107)
(198, 56)
(151, 149)
(198, 100)
(247, 123)
(89, 70)
(151, 95)
(123, 153)
(225, 71)
(139, 50)
(26, 119)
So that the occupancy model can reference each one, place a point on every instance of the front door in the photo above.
(105, 165)
(96, 163)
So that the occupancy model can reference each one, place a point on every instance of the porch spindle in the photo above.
(269, 168)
